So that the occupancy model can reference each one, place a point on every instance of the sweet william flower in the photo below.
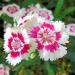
(71, 29)
(11, 9)
(42, 12)
(48, 38)
(29, 21)
(16, 44)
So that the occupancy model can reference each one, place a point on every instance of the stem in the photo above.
(49, 68)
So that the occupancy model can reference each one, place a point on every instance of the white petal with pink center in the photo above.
(13, 61)
(41, 12)
(71, 29)
(29, 21)
(47, 55)
(11, 9)
(49, 40)
(16, 44)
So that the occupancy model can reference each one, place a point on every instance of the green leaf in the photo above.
(7, 18)
(67, 11)
(58, 8)
(28, 72)
(49, 68)
(51, 4)
(1, 43)
(26, 3)
(71, 50)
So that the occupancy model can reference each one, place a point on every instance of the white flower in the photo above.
(29, 21)
(50, 39)
(11, 9)
(42, 12)
(71, 29)
(16, 44)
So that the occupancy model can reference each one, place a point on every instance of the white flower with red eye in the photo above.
(29, 21)
(42, 12)
(31, 9)
(16, 44)
(11, 9)
(71, 29)
(48, 40)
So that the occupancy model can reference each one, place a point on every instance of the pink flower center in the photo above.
(72, 28)
(46, 36)
(44, 14)
(17, 44)
(12, 9)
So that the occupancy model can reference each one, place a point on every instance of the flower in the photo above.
(29, 21)
(11, 9)
(71, 29)
(49, 40)
(42, 12)
(4, 70)
(16, 44)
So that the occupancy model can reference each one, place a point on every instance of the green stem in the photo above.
(49, 68)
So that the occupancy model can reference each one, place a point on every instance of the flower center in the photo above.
(17, 44)
(44, 14)
(12, 9)
(46, 36)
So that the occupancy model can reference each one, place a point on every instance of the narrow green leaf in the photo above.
(67, 11)
(49, 68)
(58, 8)
(51, 4)
(1, 42)
(26, 3)
(7, 18)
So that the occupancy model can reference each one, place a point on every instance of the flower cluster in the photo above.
(36, 31)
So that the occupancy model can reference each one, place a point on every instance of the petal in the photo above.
(44, 54)
(15, 54)
(64, 38)
(13, 61)
(52, 47)
(40, 46)
(34, 31)
(14, 34)
(58, 35)
(9, 43)
(58, 53)
(47, 25)
(20, 36)
(58, 25)
(25, 49)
